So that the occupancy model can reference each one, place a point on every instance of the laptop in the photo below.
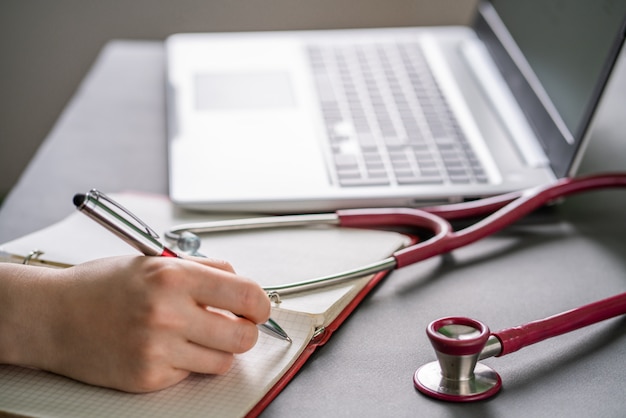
(310, 121)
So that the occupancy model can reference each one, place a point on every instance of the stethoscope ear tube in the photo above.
(501, 211)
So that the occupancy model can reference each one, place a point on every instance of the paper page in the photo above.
(327, 303)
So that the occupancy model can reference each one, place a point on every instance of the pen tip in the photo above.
(79, 198)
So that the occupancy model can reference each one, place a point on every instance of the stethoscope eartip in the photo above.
(457, 376)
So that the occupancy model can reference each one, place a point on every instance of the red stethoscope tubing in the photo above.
(504, 209)
(515, 338)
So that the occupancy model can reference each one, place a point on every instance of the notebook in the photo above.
(258, 375)
(305, 121)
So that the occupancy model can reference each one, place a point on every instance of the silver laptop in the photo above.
(308, 121)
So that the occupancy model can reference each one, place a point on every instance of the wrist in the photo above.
(25, 314)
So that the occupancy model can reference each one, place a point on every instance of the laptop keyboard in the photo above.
(387, 120)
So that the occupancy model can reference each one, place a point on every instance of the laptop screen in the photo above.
(566, 43)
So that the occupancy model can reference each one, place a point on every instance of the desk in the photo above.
(112, 136)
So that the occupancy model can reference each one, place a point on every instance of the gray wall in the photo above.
(46, 46)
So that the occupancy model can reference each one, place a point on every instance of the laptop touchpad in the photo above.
(259, 90)
(252, 135)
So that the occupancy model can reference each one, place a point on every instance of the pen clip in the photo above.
(97, 195)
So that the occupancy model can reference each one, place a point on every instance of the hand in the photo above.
(136, 324)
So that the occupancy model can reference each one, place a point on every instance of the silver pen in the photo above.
(136, 233)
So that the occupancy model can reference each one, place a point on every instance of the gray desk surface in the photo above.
(112, 136)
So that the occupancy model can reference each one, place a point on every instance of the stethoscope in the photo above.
(459, 342)
(498, 211)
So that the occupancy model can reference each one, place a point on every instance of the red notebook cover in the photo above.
(314, 344)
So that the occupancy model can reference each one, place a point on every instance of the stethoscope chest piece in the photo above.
(457, 376)
(483, 384)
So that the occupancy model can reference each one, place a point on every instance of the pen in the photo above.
(135, 232)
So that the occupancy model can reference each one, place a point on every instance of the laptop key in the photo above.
(363, 182)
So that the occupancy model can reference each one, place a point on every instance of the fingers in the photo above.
(213, 284)
(208, 341)
(212, 342)
(148, 375)
(221, 331)
(183, 289)
(213, 262)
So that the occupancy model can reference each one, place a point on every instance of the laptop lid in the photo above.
(244, 123)
(556, 58)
